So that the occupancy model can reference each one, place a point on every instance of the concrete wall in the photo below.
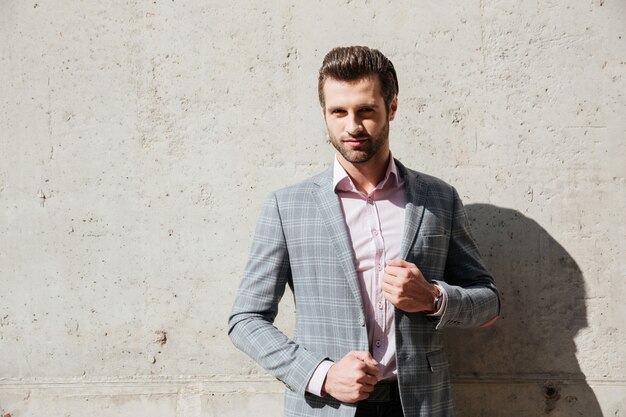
(139, 139)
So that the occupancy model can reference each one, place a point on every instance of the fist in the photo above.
(405, 287)
(353, 378)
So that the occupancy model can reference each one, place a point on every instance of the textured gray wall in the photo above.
(139, 139)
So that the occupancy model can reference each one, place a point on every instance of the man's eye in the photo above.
(367, 110)
(337, 111)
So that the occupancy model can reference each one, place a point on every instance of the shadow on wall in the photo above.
(525, 364)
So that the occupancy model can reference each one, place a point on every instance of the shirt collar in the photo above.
(343, 182)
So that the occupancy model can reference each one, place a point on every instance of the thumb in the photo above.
(366, 357)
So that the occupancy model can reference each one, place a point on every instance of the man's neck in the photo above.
(367, 175)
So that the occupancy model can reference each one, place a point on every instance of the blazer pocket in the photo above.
(437, 360)
(439, 242)
(429, 253)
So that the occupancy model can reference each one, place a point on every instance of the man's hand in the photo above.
(405, 287)
(352, 378)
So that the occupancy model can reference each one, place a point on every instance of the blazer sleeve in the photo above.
(251, 327)
(473, 299)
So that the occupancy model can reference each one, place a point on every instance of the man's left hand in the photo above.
(405, 287)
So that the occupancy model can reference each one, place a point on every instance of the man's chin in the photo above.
(356, 157)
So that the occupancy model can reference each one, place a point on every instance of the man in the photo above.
(379, 258)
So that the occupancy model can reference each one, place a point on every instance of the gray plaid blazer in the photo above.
(301, 240)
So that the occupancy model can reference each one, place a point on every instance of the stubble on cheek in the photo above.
(368, 149)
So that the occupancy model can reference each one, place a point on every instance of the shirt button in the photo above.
(375, 232)
(380, 305)
(370, 201)
(379, 267)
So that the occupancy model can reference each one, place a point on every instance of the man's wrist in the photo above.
(437, 299)
(440, 304)
(317, 382)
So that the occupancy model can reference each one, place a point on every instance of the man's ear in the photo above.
(393, 106)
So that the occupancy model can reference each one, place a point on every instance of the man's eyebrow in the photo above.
(360, 106)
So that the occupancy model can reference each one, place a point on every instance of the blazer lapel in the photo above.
(330, 209)
(416, 191)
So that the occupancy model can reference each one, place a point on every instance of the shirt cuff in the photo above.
(444, 301)
(317, 380)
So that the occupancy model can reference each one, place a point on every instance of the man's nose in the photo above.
(354, 125)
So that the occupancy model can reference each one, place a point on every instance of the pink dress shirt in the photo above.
(375, 223)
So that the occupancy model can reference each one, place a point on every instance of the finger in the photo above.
(367, 388)
(363, 396)
(371, 370)
(391, 298)
(389, 288)
(403, 266)
(370, 361)
(365, 357)
(401, 271)
(389, 295)
(392, 285)
(400, 263)
(395, 271)
(371, 366)
(393, 280)
(367, 378)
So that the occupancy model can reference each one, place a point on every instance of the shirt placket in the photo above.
(377, 299)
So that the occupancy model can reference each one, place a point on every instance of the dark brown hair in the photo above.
(352, 63)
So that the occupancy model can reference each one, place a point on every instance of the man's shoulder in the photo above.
(416, 177)
(305, 187)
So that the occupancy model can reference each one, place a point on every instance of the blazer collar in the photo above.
(329, 206)
(416, 190)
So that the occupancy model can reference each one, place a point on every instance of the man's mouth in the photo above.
(357, 140)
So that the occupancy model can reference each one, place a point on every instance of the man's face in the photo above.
(356, 118)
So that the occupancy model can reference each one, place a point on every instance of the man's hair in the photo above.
(353, 63)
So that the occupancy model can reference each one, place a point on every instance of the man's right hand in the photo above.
(353, 378)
